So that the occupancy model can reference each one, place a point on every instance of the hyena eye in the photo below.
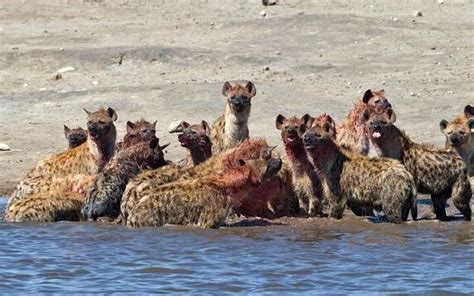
(462, 133)
(377, 101)
(101, 122)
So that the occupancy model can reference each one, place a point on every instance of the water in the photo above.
(317, 256)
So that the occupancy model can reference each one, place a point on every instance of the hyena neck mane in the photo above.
(393, 144)
(201, 152)
(354, 119)
(104, 147)
(236, 124)
(329, 159)
(233, 182)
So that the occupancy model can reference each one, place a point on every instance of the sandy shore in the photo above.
(167, 60)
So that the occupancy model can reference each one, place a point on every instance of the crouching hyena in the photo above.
(88, 158)
(441, 173)
(460, 136)
(138, 131)
(383, 184)
(352, 134)
(231, 127)
(105, 195)
(204, 202)
(75, 137)
(305, 181)
(195, 138)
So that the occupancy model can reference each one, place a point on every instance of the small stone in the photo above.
(95, 82)
(25, 84)
(383, 82)
(441, 2)
(266, 68)
(412, 94)
(433, 48)
(417, 13)
(263, 13)
(61, 49)
(57, 76)
(394, 19)
(4, 147)
(450, 92)
(300, 12)
(349, 83)
(65, 69)
(42, 89)
(269, 2)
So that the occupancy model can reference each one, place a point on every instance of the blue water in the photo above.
(304, 256)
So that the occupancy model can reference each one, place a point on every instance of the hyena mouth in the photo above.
(291, 138)
(376, 135)
(183, 140)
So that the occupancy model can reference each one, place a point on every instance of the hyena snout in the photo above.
(310, 140)
(239, 104)
(456, 138)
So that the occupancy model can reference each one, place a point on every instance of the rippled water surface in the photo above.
(317, 256)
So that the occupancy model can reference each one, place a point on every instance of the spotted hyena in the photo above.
(88, 158)
(231, 127)
(247, 150)
(352, 133)
(305, 181)
(195, 138)
(138, 131)
(105, 195)
(459, 135)
(204, 202)
(439, 172)
(75, 137)
(350, 179)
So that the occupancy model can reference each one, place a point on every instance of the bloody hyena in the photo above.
(88, 158)
(75, 137)
(195, 138)
(204, 202)
(350, 179)
(105, 195)
(441, 173)
(352, 133)
(138, 131)
(231, 127)
(459, 135)
(247, 150)
(305, 181)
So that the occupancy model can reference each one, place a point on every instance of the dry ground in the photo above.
(177, 54)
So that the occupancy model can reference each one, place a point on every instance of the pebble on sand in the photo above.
(417, 13)
(4, 147)
(263, 13)
(65, 69)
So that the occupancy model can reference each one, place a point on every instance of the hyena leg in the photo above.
(462, 194)
(439, 205)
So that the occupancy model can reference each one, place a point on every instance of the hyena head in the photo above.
(193, 136)
(75, 136)
(376, 98)
(260, 169)
(100, 125)
(318, 137)
(149, 155)
(247, 150)
(325, 118)
(239, 97)
(458, 132)
(139, 131)
(292, 129)
(379, 122)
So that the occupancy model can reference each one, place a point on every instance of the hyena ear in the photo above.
(154, 143)
(241, 162)
(327, 127)
(184, 125)
(67, 130)
(469, 111)
(367, 96)
(443, 124)
(226, 88)
(470, 124)
(206, 128)
(250, 87)
(307, 120)
(279, 121)
(391, 115)
(154, 123)
(267, 153)
(164, 146)
(88, 112)
(112, 114)
(130, 126)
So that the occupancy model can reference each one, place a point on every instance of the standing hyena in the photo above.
(75, 137)
(204, 202)
(105, 195)
(306, 184)
(351, 179)
(460, 136)
(352, 133)
(195, 138)
(441, 173)
(231, 127)
(88, 158)
(138, 131)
